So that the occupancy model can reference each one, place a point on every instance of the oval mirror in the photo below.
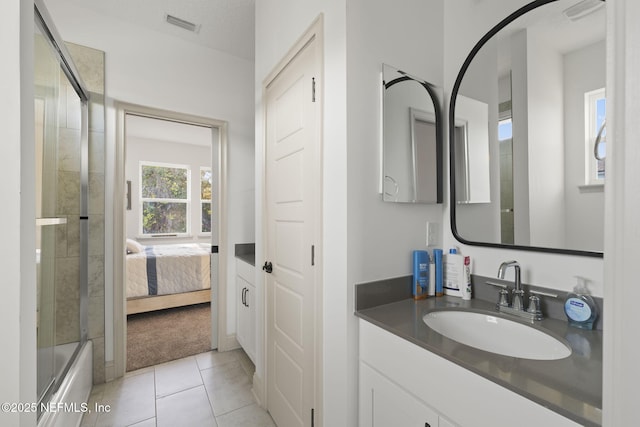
(524, 115)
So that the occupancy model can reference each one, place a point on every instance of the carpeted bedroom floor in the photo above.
(165, 335)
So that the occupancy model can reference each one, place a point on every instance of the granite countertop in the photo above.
(571, 386)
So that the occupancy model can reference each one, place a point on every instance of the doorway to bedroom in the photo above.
(173, 176)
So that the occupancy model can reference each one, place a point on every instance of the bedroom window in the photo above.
(595, 104)
(165, 198)
(206, 179)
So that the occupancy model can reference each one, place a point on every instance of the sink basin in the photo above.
(496, 335)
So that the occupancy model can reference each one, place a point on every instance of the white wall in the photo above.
(545, 91)
(481, 221)
(148, 68)
(17, 190)
(465, 22)
(193, 156)
(583, 208)
(381, 235)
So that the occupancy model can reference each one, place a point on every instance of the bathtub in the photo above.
(67, 402)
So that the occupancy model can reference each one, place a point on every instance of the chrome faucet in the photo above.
(518, 293)
(516, 308)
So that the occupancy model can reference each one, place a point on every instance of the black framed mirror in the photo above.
(412, 142)
(524, 114)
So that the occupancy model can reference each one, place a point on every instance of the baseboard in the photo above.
(109, 371)
(258, 391)
(228, 343)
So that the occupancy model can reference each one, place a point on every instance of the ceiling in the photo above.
(225, 25)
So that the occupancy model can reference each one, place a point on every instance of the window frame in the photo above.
(591, 131)
(142, 200)
(202, 201)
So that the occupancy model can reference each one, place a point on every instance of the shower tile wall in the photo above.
(90, 65)
(67, 269)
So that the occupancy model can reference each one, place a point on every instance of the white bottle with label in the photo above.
(454, 274)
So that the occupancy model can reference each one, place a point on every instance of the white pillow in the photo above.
(134, 247)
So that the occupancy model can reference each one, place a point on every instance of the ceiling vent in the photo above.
(582, 9)
(189, 26)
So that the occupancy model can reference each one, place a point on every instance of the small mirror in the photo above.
(525, 112)
(411, 139)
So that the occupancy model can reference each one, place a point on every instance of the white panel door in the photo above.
(292, 192)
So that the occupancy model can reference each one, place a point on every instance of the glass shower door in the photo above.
(59, 248)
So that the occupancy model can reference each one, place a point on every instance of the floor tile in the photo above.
(151, 422)
(176, 376)
(247, 416)
(215, 358)
(189, 408)
(130, 401)
(247, 364)
(228, 387)
(209, 389)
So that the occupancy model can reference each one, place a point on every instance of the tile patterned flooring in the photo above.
(209, 389)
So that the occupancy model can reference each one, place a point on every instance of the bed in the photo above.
(164, 276)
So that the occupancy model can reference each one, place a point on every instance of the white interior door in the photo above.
(292, 191)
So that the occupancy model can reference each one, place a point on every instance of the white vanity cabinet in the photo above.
(402, 384)
(385, 403)
(246, 312)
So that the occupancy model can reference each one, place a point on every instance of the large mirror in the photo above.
(411, 139)
(529, 178)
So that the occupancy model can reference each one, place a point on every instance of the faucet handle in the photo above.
(503, 298)
(534, 305)
(545, 294)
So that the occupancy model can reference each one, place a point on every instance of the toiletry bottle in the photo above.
(437, 256)
(453, 270)
(580, 308)
(466, 295)
(432, 278)
(420, 286)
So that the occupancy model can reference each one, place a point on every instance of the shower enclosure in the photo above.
(61, 142)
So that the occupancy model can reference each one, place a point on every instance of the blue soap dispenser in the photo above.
(580, 308)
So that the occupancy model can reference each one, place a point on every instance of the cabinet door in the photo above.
(241, 311)
(250, 330)
(384, 403)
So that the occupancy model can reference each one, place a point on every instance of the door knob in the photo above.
(268, 267)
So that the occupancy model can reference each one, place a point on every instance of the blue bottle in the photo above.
(420, 287)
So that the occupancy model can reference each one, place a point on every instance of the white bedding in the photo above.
(168, 269)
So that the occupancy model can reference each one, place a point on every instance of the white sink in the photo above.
(496, 335)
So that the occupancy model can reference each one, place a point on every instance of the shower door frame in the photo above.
(44, 22)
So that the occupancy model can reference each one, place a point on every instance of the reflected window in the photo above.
(505, 129)
(595, 113)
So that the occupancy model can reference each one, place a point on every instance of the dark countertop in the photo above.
(571, 387)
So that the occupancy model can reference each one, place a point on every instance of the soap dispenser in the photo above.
(580, 308)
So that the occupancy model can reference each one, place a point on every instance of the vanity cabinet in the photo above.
(405, 385)
(385, 403)
(246, 312)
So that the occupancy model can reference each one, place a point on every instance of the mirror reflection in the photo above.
(531, 178)
(411, 139)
